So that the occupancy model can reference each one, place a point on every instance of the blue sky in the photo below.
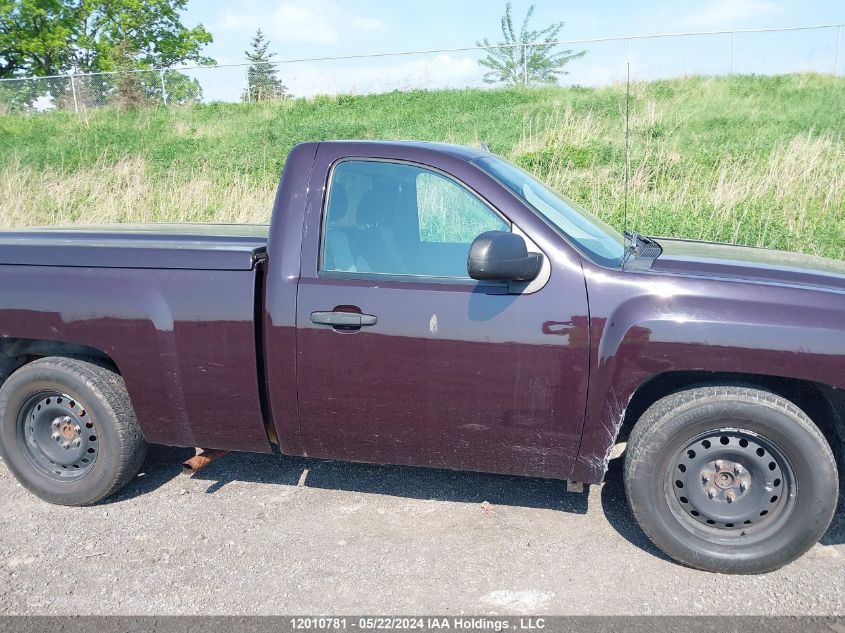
(317, 28)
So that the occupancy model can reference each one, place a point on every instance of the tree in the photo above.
(529, 57)
(262, 80)
(179, 87)
(55, 37)
(129, 91)
(150, 32)
(52, 37)
(35, 36)
(17, 95)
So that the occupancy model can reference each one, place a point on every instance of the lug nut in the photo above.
(77, 442)
(705, 479)
(66, 445)
(742, 486)
(737, 470)
(55, 436)
(56, 423)
(718, 465)
(711, 492)
(77, 428)
(729, 497)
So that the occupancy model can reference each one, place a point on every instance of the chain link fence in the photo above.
(608, 60)
(81, 92)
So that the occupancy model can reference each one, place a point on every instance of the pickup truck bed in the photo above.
(183, 294)
(175, 246)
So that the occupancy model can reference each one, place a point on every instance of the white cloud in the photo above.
(368, 24)
(727, 13)
(318, 21)
(238, 22)
(438, 71)
(295, 22)
(306, 79)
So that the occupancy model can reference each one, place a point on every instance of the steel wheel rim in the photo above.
(730, 483)
(58, 436)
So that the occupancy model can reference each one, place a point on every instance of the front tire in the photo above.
(730, 479)
(68, 431)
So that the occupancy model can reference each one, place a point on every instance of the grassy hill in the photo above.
(754, 160)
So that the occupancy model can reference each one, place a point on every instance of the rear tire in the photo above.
(730, 479)
(68, 431)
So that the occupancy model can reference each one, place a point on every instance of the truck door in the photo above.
(401, 357)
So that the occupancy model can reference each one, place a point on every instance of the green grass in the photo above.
(754, 160)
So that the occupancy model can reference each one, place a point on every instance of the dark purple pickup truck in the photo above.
(433, 305)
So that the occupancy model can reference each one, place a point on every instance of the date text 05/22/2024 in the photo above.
(448, 623)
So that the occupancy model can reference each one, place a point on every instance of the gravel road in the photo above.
(252, 534)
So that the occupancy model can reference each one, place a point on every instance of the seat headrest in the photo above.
(338, 203)
(375, 209)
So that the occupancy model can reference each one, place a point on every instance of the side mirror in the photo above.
(502, 256)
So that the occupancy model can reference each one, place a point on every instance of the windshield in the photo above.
(600, 242)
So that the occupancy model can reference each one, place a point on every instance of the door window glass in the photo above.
(399, 219)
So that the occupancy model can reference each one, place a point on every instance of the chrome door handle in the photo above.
(343, 319)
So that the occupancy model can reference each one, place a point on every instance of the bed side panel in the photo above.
(183, 340)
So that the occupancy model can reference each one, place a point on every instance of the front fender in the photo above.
(659, 325)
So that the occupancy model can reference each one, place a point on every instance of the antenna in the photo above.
(627, 120)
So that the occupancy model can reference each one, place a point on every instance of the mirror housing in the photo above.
(502, 256)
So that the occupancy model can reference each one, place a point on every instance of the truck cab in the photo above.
(443, 370)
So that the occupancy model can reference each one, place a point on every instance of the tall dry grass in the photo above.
(125, 191)
(792, 197)
(753, 160)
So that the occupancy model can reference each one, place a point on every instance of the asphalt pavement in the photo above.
(267, 534)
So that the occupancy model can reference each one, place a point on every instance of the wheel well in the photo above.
(825, 405)
(16, 352)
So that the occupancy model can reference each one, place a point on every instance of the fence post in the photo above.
(334, 77)
(733, 51)
(838, 48)
(525, 64)
(73, 89)
(163, 90)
